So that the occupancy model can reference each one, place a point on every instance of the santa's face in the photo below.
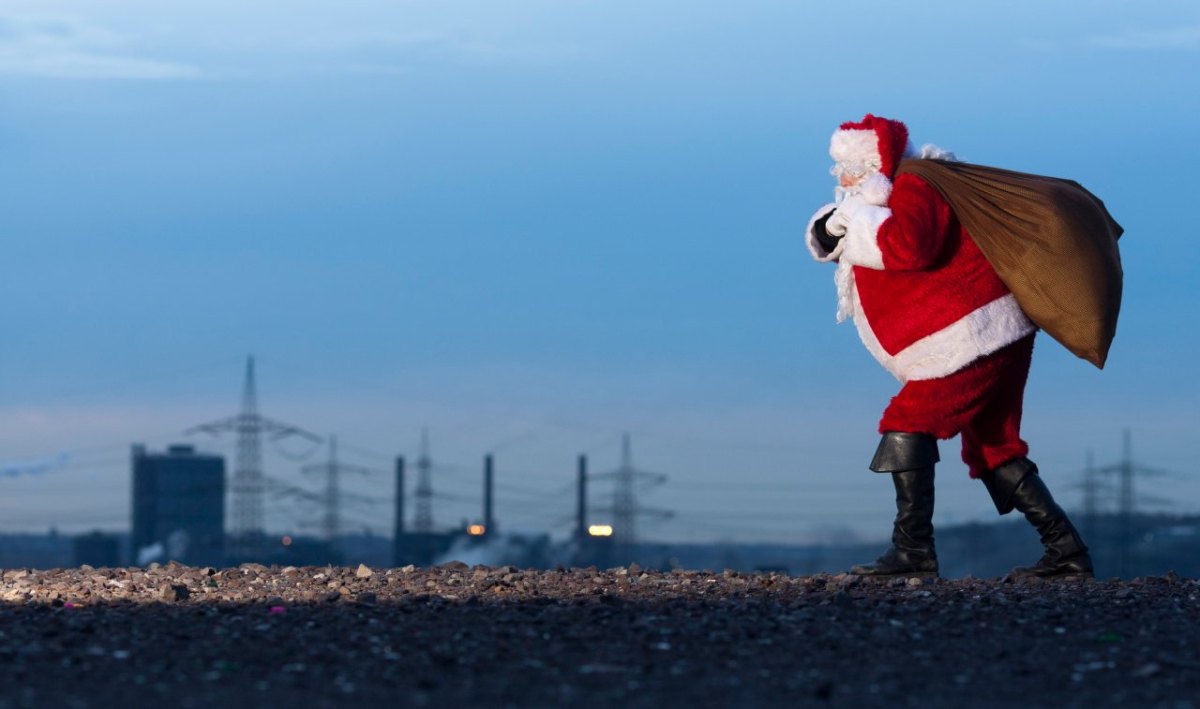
(849, 183)
(853, 170)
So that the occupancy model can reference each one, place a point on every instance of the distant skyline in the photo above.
(534, 226)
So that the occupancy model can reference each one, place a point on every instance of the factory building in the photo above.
(178, 507)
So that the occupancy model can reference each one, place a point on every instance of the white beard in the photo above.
(875, 190)
(843, 277)
(841, 193)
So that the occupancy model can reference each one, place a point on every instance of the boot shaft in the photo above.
(913, 528)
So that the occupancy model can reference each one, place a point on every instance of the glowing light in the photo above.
(600, 530)
(476, 530)
(286, 541)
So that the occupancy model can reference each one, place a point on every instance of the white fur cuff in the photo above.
(861, 240)
(814, 246)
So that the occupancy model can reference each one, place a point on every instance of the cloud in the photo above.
(350, 50)
(249, 42)
(68, 48)
(1186, 38)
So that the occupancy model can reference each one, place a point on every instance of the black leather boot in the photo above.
(1017, 485)
(910, 458)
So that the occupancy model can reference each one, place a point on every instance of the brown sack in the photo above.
(1051, 241)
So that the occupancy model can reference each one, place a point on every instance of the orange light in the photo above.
(287, 541)
(600, 530)
(476, 530)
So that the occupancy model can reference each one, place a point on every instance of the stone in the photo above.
(174, 592)
(1147, 670)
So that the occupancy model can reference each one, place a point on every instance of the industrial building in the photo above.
(97, 549)
(178, 506)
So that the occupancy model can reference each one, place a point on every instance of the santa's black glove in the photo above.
(827, 241)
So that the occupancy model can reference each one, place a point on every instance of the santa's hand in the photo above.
(838, 222)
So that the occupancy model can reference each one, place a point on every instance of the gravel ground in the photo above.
(457, 635)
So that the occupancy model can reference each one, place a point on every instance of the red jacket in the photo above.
(925, 300)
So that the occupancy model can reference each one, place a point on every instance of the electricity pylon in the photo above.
(247, 540)
(331, 500)
(625, 508)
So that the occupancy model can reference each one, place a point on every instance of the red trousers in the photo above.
(982, 401)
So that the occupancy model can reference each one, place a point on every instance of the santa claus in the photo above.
(929, 306)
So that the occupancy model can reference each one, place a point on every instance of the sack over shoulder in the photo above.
(1051, 241)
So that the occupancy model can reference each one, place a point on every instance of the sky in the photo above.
(531, 227)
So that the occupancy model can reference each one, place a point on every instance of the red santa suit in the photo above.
(927, 304)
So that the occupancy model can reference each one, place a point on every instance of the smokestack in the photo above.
(581, 510)
(398, 531)
(488, 522)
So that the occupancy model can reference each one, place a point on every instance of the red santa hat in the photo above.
(875, 145)
(873, 141)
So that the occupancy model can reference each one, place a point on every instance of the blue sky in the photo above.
(531, 226)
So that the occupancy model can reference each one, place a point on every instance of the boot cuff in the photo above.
(1002, 482)
(900, 451)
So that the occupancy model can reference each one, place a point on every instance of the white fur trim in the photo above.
(876, 189)
(854, 146)
(862, 245)
(977, 334)
(814, 246)
(929, 151)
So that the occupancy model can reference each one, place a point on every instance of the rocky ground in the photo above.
(457, 636)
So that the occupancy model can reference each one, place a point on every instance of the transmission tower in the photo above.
(625, 508)
(331, 500)
(1090, 489)
(424, 521)
(624, 498)
(247, 538)
(1126, 471)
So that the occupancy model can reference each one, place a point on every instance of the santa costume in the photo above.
(930, 308)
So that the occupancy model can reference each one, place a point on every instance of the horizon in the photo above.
(534, 228)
